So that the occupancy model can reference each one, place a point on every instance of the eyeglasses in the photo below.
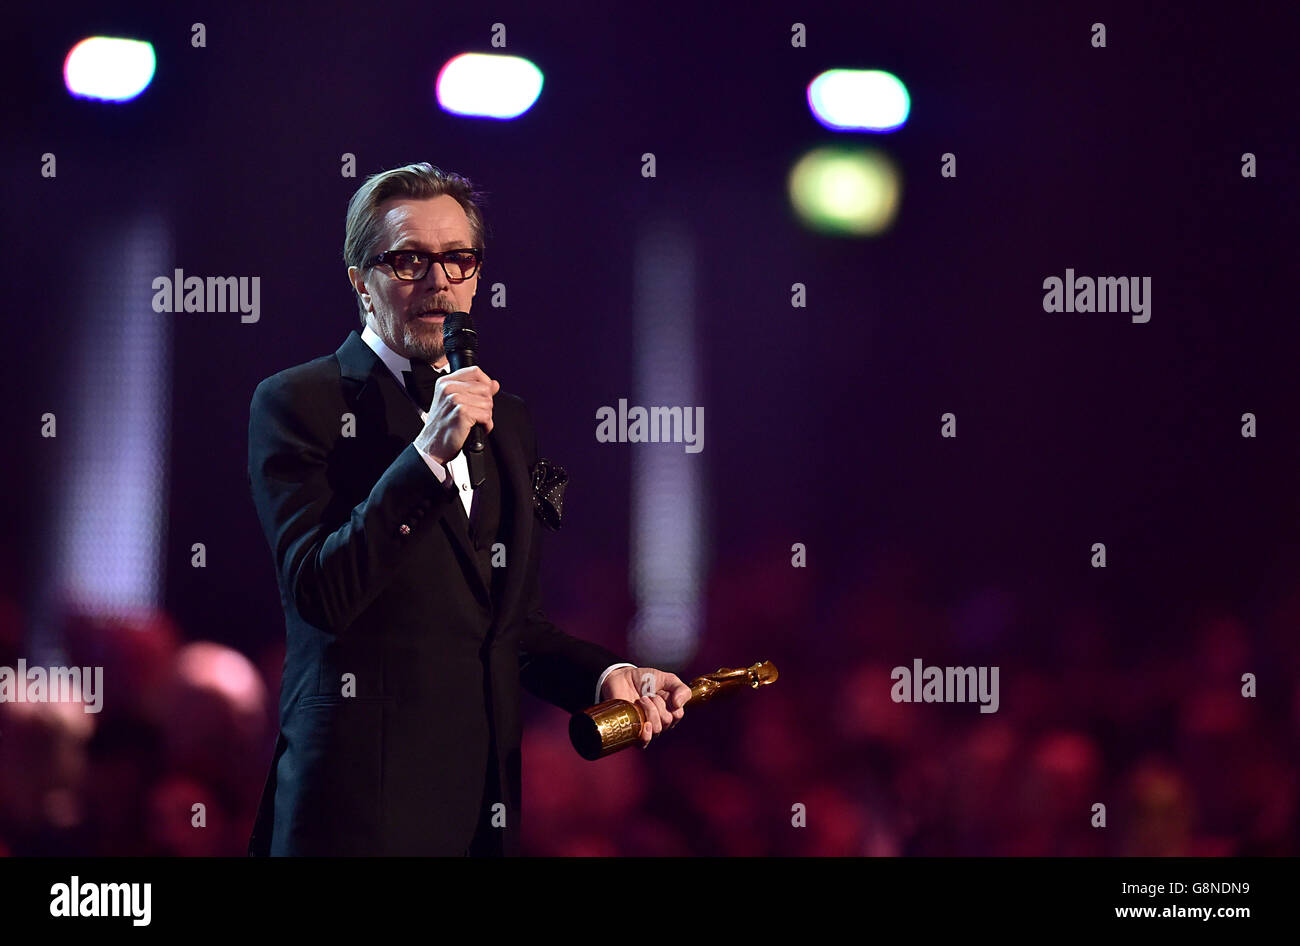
(414, 265)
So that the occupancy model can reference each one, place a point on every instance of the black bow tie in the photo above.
(420, 380)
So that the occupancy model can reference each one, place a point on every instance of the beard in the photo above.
(424, 341)
(408, 337)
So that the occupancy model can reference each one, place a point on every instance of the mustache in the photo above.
(436, 307)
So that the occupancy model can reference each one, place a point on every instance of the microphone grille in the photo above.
(458, 332)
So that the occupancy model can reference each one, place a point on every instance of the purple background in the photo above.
(822, 424)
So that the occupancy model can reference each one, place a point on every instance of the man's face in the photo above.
(398, 309)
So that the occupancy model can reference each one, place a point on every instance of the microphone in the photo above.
(460, 342)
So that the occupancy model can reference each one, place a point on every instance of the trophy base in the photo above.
(606, 728)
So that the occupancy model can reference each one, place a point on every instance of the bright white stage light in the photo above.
(113, 70)
(486, 86)
(859, 100)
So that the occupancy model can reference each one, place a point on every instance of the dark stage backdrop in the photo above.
(833, 522)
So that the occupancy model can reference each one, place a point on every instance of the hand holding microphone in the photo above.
(460, 416)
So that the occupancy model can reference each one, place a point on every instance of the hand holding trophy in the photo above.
(615, 725)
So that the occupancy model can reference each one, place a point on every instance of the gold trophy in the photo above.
(608, 727)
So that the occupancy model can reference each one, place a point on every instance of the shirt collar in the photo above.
(394, 362)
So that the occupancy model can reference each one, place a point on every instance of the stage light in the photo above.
(486, 86)
(111, 511)
(859, 100)
(111, 70)
(843, 191)
(668, 502)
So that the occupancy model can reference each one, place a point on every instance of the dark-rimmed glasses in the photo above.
(414, 265)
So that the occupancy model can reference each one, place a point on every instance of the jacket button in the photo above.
(405, 529)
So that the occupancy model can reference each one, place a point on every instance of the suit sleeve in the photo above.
(330, 571)
(554, 666)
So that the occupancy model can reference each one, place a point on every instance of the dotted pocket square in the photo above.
(549, 481)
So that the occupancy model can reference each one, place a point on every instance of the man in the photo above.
(411, 598)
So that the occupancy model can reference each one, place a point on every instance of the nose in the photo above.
(436, 279)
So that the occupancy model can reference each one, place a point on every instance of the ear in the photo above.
(359, 287)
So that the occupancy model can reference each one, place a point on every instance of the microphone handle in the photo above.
(474, 464)
(474, 439)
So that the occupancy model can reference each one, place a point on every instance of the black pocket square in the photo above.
(549, 481)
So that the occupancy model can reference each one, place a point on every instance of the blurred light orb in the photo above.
(108, 69)
(847, 192)
(205, 665)
(485, 86)
(859, 100)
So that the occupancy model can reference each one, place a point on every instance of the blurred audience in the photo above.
(1095, 719)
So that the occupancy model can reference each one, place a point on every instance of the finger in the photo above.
(466, 417)
(477, 388)
(665, 717)
(477, 412)
(476, 401)
(472, 377)
(676, 693)
(651, 713)
(677, 713)
(647, 727)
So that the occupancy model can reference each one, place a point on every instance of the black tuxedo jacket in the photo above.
(381, 588)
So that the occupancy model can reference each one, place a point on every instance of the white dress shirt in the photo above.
(455, 475)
